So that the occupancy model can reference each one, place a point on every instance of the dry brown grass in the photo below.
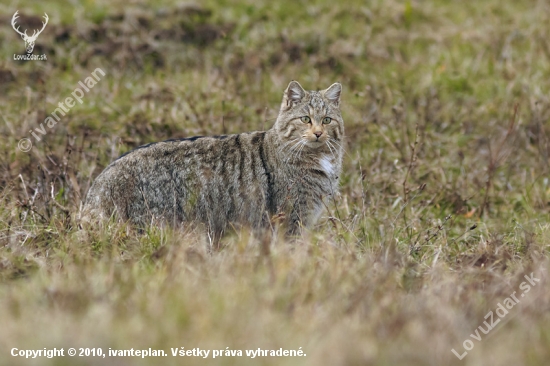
(445, 196)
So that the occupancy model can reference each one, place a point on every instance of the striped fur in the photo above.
(241, 179)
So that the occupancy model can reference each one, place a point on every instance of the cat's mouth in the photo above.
(315, 144)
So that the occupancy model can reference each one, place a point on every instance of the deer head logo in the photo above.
(29, 40)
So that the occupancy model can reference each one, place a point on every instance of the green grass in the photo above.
(423, 242)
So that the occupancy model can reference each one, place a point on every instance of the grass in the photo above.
(444, 202)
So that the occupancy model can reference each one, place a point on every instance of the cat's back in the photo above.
(172, 175)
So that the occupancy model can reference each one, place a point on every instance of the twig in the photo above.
(24, 187)
(25, 214)
(439, 228)
(61, 207)
(494, 161)
(419, 190)
(411, 164)
(473, 227)
(414, 248)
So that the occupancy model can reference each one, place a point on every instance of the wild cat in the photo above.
(233, 180)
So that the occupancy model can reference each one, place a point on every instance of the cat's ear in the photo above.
(333, 93)
(294, 94)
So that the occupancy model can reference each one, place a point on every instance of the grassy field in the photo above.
(445, 194)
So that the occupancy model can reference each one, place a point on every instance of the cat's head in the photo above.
(310, 117)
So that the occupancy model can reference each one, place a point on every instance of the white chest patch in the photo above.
(327, 165)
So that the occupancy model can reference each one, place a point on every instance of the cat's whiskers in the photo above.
(284, 145)
(336, 142)
(330, 146)
(293, 149)
(339, 145)
(299, 155)
(299, 151)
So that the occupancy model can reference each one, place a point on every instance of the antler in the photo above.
(35, 32)
(13, 19)
(43, 26)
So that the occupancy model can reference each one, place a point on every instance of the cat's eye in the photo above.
(305, 119)
(327, 120)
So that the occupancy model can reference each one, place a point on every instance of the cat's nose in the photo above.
(318, 133)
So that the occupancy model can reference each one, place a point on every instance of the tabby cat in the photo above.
(232, 180)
